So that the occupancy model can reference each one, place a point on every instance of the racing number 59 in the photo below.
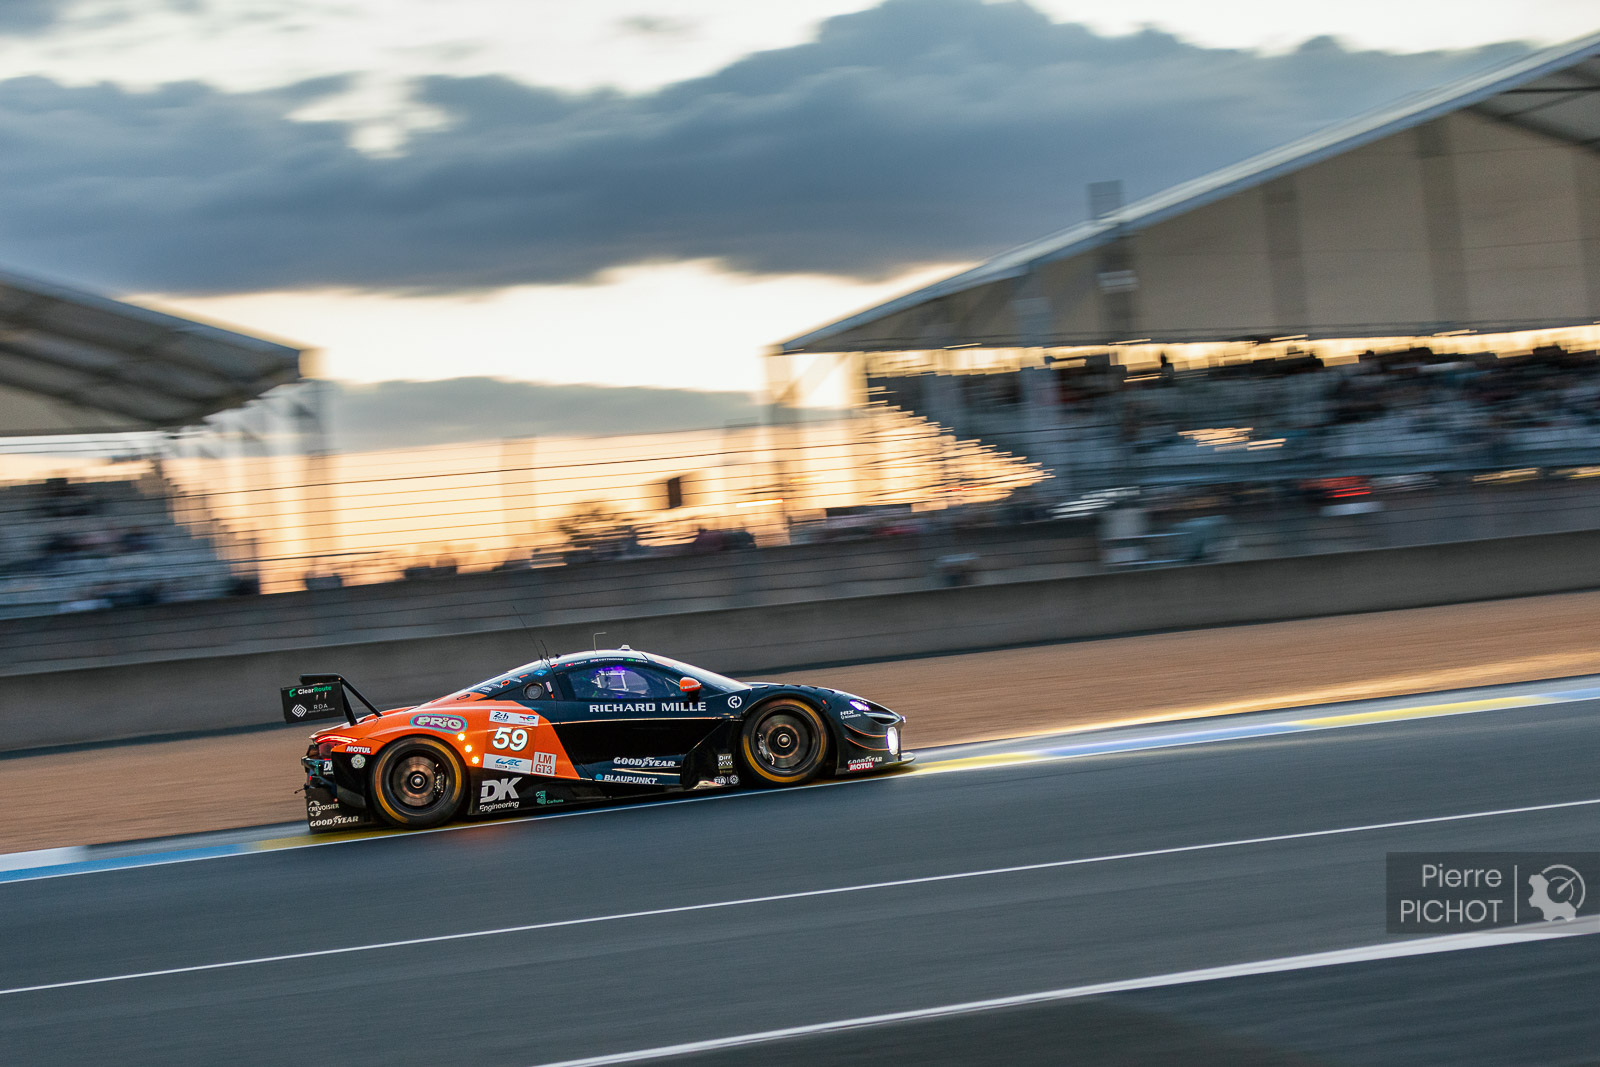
(515, 740)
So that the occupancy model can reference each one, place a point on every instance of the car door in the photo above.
(626, 714)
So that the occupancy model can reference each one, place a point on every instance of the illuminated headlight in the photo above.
(893, 737)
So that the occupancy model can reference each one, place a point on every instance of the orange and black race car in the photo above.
(572, 729)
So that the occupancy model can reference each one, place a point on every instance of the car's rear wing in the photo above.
(321, 696)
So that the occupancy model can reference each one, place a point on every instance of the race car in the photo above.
(573, 729)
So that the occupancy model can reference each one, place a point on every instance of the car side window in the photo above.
(618, 681)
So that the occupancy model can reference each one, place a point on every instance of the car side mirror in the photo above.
(689, 687)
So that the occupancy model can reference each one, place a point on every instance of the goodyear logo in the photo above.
(451, 723)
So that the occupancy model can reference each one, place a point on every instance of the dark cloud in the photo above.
(23, 17)
(656, 26)
(915, 132)
(402, 414)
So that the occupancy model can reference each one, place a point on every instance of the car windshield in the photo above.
(499, 681)
(710, 679)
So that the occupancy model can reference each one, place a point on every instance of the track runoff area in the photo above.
(1408, 879)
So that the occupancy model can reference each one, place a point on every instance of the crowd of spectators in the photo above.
(1444, 408)
(1415, 400)
(83, 546)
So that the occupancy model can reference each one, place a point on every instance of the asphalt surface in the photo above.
(638, 981)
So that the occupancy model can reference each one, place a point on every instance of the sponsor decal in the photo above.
(447, 723)
(542, 798)
(358, 762)
(496, 762)
(498, 794)
(627, 779)
(735, 701)
(327, 766)
(319, 807)
(861, 764)
(513, 718)
(724, 761)
(334, 820)
(363, 749)
(647, 762)
(648, 707)
(498, 789)
(298, 711)
(544, 763)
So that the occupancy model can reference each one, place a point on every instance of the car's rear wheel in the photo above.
(417, 783)
(784, 742)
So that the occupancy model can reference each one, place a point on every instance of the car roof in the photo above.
(572, 659)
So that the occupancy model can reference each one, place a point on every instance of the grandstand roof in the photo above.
(1553, 94)
(73, 362)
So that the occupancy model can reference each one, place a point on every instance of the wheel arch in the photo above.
(830, 722)
(379, 748)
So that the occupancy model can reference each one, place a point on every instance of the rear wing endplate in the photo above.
(321, 696)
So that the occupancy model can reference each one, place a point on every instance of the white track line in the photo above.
(801, 895)
(1414, 947)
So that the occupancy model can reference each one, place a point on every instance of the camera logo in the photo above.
(1558, 892)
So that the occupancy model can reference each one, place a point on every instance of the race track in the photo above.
(672, 924)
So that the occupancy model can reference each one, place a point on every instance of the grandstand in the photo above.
(1099, 423)
(1412, 290)
(89, 545)
(74, 364)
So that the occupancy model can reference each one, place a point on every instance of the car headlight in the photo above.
(893, 737)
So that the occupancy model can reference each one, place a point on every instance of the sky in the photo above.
(638, 193)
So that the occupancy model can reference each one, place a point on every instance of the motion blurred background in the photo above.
(545, 322)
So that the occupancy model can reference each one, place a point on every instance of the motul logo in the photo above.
(498, 789)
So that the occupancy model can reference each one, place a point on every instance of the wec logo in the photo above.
(498, 789)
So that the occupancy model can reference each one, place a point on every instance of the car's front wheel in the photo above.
(784, 742)
(418, 783)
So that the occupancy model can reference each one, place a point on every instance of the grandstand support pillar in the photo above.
(1043, 427)
(1286, 267)
(319, 529)
(1588, 179)
(1042, 424)
(1441, 207)
(1116, 276)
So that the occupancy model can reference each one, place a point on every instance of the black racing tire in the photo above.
(417, 782)
(783, 742)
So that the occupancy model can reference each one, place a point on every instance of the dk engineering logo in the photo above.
(1459, 892)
